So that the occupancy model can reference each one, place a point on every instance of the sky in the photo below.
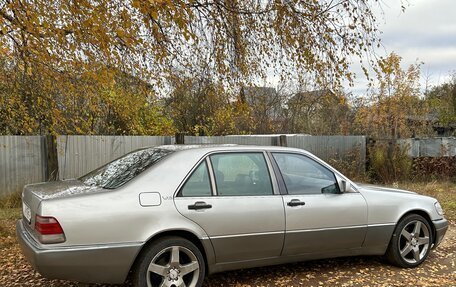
(424, 32)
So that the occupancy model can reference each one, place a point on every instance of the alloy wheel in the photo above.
(174, 266)
(414, 241)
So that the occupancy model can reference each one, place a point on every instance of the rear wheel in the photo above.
(411, 242)
(170, 262)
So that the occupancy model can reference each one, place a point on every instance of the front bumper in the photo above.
(440, 226)
(108, 263)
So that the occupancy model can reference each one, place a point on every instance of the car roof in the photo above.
(206, 148)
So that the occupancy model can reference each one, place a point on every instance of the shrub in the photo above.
(425, 168)
(351, 165)
(389, 162)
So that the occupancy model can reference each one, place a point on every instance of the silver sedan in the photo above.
(170, 215)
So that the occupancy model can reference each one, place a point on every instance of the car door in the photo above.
(319, 218)
(233, 198)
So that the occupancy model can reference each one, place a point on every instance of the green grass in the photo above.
(8, 217)
(12, 200)
(10, 211)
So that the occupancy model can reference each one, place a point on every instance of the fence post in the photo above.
(283, 140)
(180, 138)
(51, 164)
(370, 143)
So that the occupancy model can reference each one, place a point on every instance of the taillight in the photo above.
(48, 230)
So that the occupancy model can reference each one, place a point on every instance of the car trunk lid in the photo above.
(34, 194)
(58, 189)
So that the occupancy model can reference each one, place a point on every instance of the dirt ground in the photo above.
(438, 270)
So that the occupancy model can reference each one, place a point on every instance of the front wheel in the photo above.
(170, 262)
(411, 242)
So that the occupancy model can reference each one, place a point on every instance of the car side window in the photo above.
(198, 184)
(241, 174)
(303, 175)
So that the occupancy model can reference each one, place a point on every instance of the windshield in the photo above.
(123, 169)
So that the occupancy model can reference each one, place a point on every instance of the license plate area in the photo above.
(27, 213)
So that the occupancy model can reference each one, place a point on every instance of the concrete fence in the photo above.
(431, 147)
(28, 159)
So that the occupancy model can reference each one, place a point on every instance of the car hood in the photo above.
(371, 187)
(60, 189)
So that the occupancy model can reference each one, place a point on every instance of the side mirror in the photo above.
(343, 187)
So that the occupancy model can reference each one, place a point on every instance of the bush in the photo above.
(425, 168)
(351, 165)
(389, 162)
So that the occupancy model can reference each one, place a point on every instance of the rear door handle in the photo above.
(296, 202)
(199, 205)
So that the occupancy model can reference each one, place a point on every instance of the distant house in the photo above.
(265, 100)
(311, 98)
(444, 130)
(432, 120)
(255, 94)
(317, 112)
(266, 104)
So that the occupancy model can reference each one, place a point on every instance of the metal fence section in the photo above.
(331, 147)
(21, 162)
(25, 159)
(77, 155)
(265, 140)
(339, 148)
(430, 147)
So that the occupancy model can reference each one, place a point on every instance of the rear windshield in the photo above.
(124, 169)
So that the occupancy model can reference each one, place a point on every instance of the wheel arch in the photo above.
(424, 214)
(177, 233)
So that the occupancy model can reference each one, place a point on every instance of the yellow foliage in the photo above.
(147, 38)
(395, 108)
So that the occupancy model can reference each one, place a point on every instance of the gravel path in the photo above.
(438, 270)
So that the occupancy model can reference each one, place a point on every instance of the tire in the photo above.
(171, 262)
(411, 242)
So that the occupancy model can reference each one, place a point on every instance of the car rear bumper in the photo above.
(441, 227)
(90, 264)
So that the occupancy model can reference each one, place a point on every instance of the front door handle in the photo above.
(199, 205)
(296, 202)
